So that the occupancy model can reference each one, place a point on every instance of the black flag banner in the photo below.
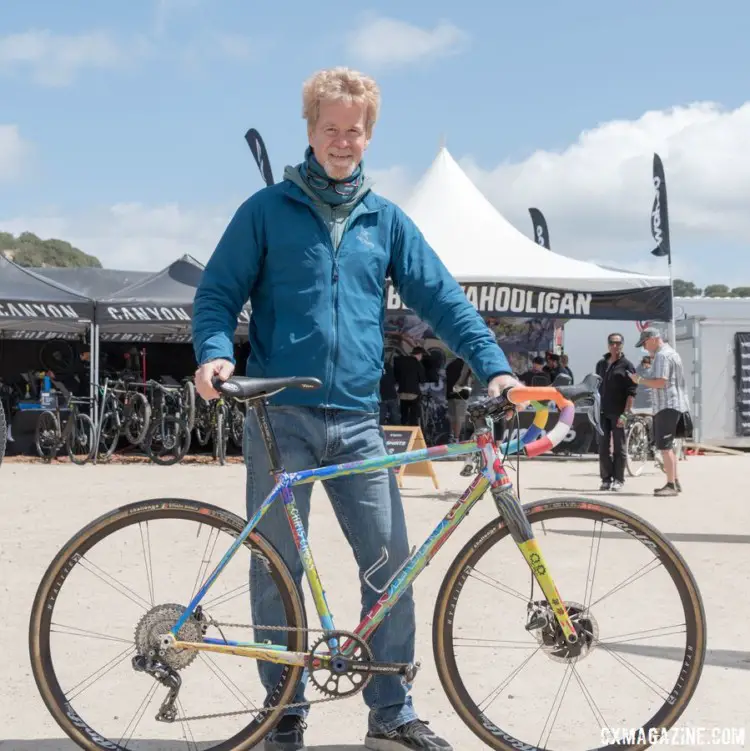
(659, 214)
(499, 299)
(541, 233)
(258, 147)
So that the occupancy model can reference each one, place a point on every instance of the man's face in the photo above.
(615, 346)
(338, 139)
(651, 344)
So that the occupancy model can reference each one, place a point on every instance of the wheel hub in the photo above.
(552, 639)
(157, 622)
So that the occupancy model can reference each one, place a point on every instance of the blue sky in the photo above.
(142, 106)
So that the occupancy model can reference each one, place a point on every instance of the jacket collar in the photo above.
(371, 201)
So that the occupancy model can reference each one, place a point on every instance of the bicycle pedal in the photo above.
(411, 670)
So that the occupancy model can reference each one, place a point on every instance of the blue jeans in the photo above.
(368, 508)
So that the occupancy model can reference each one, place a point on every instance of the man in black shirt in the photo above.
(617, 395)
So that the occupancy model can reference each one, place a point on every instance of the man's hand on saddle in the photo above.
(207, 372)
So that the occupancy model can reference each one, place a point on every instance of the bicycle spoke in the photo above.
(590, 575)
(636, 635)
(100, 673)
(76, 631)
(105, 577)
(653, 685)
(142, 707)
(560, 693)
(146, 545)
(655, 563)
(497, 585)
(186, 728)
(205, 560)
(508, 680)
(501, 642)
(598, 716)
(227, 596)
(229, 684)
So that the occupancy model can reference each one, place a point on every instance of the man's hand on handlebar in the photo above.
(222, 369)
(499, 384)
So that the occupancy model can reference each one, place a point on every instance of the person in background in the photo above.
(643, 394)
(313, 253)
(536, 376)
(552, 368)
(565, 369)
(617, 394)
(390, 413)
(410, 374)
(669, 401)
(458, 380)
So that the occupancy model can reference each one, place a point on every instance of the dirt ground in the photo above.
(709, 523)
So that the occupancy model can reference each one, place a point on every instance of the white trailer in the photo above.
(713, 340)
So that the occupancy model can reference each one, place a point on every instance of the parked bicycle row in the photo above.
(163, 420)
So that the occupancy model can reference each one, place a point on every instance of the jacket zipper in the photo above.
(334, 284)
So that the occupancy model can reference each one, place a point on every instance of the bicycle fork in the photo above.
(522, 534)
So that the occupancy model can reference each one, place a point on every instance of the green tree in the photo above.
(685, 289)
(29, 250)
(740, 292)
(716, 290)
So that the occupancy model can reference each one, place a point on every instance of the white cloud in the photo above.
(132, 236)
(601, 187)
(381, 42)
(13, 152)
(56, 59)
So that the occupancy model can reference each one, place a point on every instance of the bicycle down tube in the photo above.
(492, 476)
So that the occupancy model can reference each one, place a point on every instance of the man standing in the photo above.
(669, 400)
(313, 254)
(617, 393)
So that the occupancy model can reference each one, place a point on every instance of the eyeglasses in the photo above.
(617, 343)
(344, 189)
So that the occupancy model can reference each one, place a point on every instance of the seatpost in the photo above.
(269, 439)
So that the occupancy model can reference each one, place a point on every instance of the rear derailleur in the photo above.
(167, 677)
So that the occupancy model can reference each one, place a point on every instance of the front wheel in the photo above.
(125, 579)
(501, 656)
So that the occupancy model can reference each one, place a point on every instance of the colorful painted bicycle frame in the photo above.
(492, 475)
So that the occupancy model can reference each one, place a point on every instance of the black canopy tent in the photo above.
(30, 302)
(93, 282)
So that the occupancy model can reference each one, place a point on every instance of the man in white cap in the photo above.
(669, 400)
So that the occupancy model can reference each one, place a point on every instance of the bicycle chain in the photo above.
(292, 705)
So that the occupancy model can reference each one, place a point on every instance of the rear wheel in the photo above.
(81, 440)
(115, 597)
(47, 438)
(612, 648)
(636, 448)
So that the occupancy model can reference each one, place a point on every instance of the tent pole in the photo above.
(673, 328)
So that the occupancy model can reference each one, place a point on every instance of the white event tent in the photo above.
(506, 273)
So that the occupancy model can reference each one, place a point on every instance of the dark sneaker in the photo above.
(606, 485)
(667, 490)
(288, 735)
(616, 485)
(677, 485)
(413, 735)
(466, 470)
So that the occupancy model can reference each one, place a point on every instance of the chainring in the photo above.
(329, 676)
(157, 622)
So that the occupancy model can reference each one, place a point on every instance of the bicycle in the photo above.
(77, 435)
(640, 444)
(169, 637)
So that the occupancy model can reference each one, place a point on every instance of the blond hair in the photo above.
(343, 84)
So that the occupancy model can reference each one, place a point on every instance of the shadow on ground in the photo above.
(65, 744)
(673, 536)
(718, 658)
(591, 491)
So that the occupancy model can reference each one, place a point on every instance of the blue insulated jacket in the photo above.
(318, 311)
